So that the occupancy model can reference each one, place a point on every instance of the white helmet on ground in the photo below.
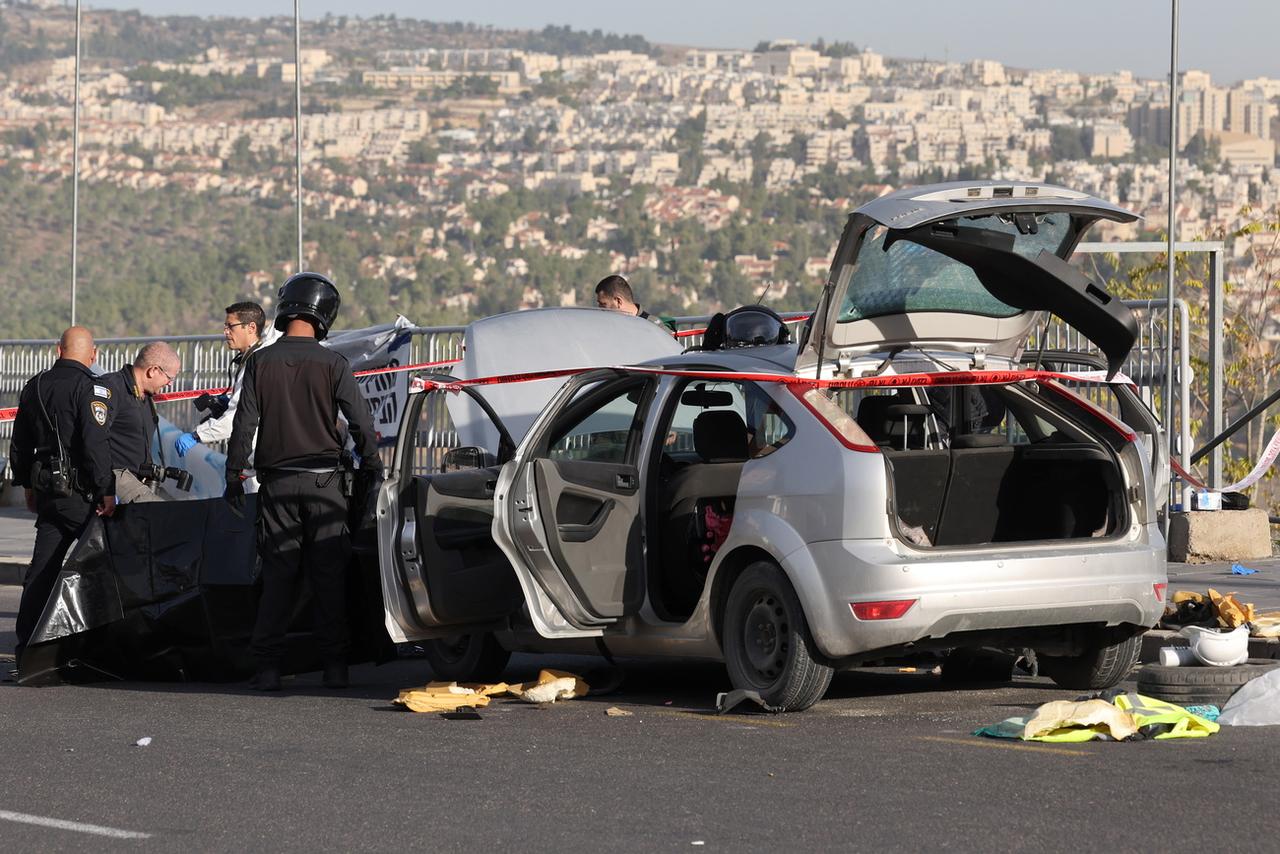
(1218, 648)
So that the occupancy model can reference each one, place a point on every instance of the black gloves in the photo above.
(367, 483)
(234, 493)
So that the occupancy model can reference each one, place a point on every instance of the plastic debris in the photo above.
(1209, 712)
(615, 712)
(1130, 717)
(462, 713)
(551, 685)
(1238, 569)
(1256, 703)
(727, 702)
(144, 741)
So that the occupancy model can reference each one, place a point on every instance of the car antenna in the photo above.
(764, 293)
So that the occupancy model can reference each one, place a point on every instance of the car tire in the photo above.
(767, 645)
(466, 658)
(1097, 668)
(1199, 685)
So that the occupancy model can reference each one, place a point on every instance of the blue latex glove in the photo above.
(184, 443)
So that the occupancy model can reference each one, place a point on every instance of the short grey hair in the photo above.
(159, 354)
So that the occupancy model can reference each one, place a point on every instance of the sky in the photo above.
(1232, 39)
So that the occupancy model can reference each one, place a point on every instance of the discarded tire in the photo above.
(1189, 686)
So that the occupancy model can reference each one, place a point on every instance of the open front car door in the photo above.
(441, 571)
(570, 506)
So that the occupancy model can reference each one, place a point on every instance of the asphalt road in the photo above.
(885, 762)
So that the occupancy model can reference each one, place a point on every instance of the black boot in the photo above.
(266, 679)
(335, 674)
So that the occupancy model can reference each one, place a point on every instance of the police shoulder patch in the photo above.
(99, 412)
(101, 391)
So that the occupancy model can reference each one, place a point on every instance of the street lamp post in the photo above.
(297, 120)
(75, 172)
(1172, 236)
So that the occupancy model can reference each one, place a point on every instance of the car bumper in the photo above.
(1109, 584)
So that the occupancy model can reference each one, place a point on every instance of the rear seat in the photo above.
(720, 440)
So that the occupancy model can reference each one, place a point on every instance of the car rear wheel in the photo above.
(1098, 667)
(466, 658)
(767, 645)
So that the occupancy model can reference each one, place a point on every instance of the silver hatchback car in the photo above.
(894, 482)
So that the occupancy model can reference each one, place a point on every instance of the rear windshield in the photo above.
(910, 277)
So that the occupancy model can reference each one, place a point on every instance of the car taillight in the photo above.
(890, 609)
(1160, 588)
(836, 420)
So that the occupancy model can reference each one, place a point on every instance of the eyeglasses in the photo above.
(227, 327)
(170, 377)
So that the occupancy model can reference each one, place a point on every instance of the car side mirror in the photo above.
(469, 457)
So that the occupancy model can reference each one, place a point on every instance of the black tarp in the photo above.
(168, 591)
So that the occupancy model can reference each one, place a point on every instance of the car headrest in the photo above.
(720, 436)
(873, 416)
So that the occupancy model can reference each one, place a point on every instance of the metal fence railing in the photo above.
(205, 361)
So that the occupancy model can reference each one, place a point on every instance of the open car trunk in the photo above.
(975, 465)
(1004, 494)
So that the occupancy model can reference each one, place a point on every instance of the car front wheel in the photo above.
(466, 658)
(767, 645)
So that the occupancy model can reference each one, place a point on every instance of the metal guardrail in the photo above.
(205, 361)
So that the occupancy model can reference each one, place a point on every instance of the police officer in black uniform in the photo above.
(292, 395)
(60, 456)
(133, 422)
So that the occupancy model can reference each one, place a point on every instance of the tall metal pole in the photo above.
(1173, 160)
(75, 172)
(297, 120)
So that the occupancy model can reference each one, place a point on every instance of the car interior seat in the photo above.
(893, 420)
(699, 500)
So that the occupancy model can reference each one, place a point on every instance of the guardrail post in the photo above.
(1216, 369)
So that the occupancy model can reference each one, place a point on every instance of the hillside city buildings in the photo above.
(498, 119)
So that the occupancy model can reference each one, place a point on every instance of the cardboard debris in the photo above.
(1231, 613)
(615, 712)
(441, 697)
(550, 686)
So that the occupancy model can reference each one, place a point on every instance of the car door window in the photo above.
(445, 422)
(601, 425)
(767, 427)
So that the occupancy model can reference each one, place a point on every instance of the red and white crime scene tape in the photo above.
(946, 378)
(9, 413)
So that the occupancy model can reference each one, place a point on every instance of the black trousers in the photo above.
(59, 523)
(302, 527)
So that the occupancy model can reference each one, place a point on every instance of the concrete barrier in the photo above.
(1202, 537)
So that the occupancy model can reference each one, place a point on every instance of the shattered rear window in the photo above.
(910, 277)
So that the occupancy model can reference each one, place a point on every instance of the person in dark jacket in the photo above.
(61, 458)
(132, 423)
(292, 395)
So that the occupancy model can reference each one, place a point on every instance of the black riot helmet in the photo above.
(754, 326)
(308, 295)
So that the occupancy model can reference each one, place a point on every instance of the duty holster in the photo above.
(54, 477)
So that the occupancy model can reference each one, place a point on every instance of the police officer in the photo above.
(292, 395)
(61, 457)
(243, 331)
(132, 421)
